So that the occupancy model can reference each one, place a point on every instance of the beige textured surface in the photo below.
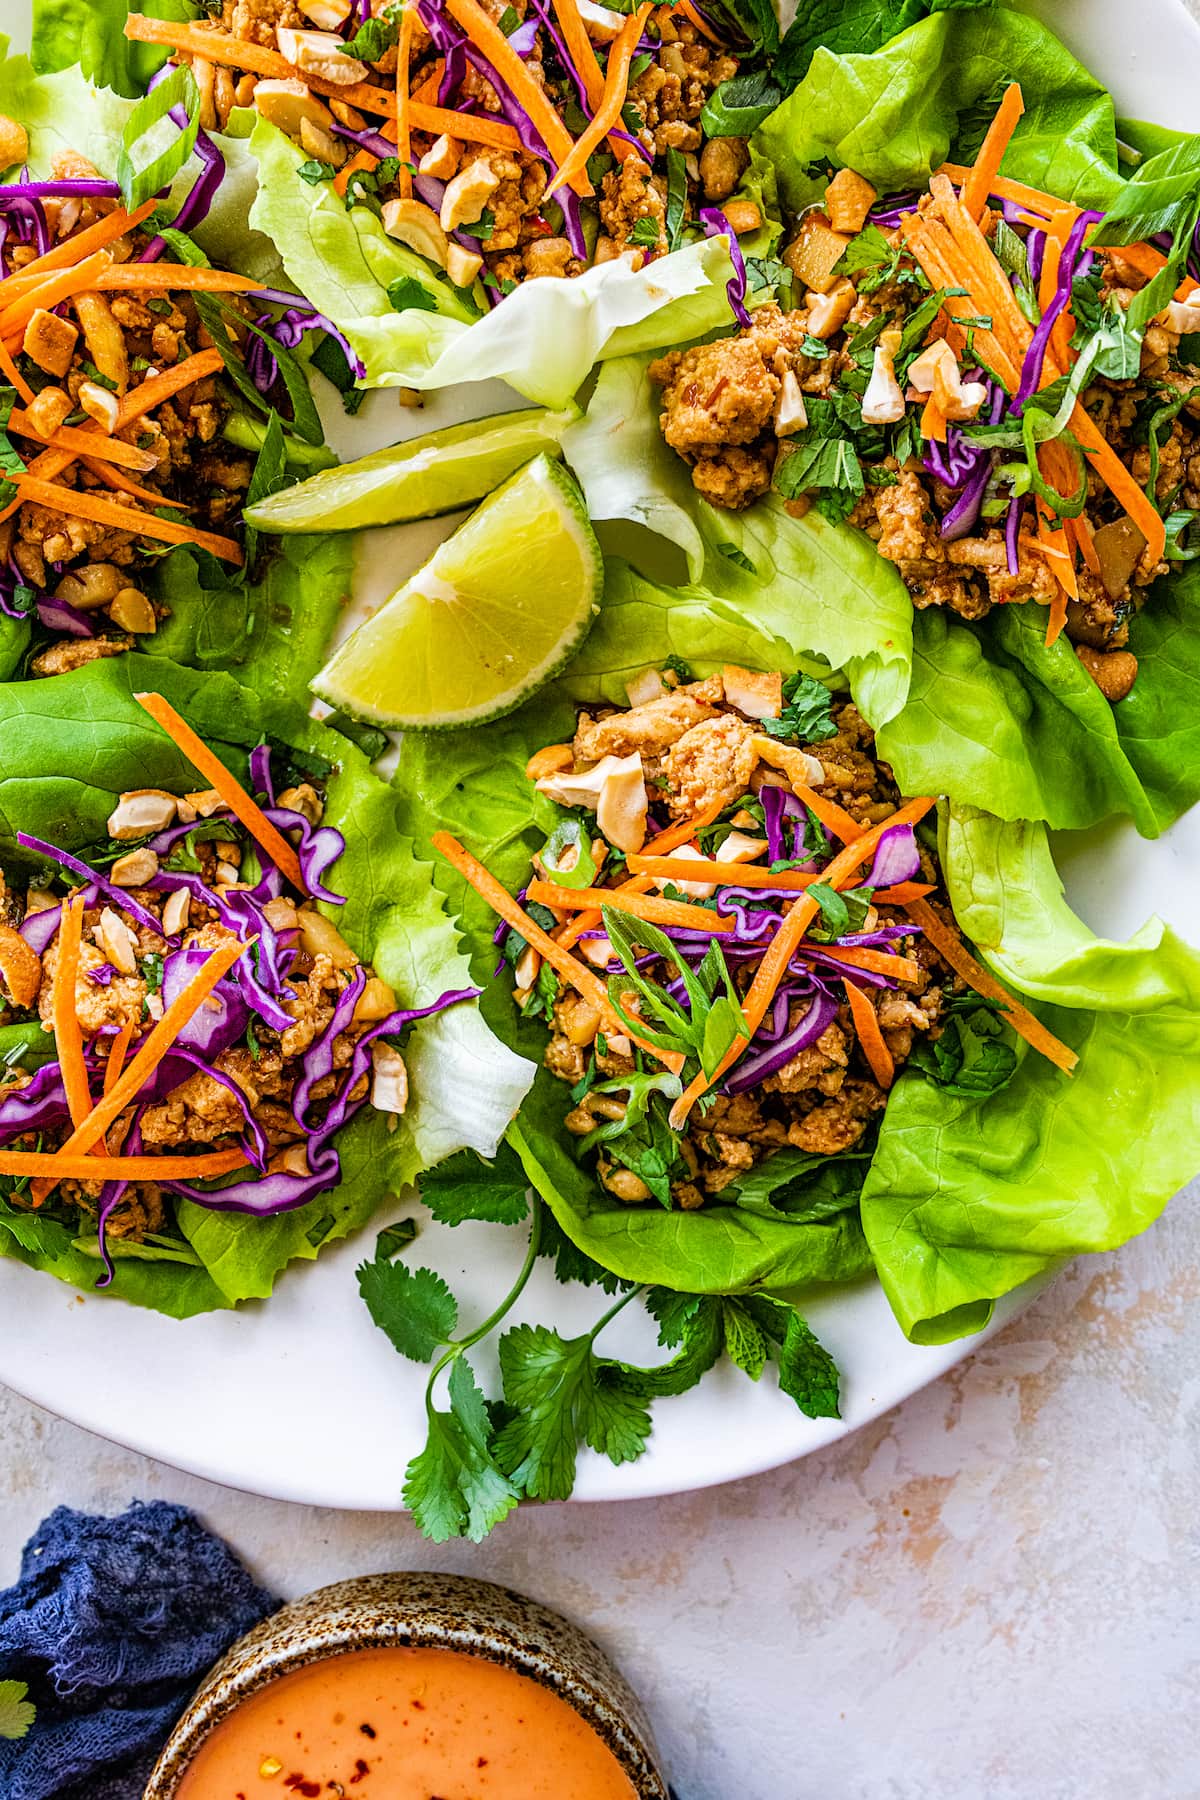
(993, 1591)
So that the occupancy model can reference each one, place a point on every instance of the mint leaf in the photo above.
(453, 1487)
(413, 1307)
(466, 1187)
(16, 1712)
(807, 1372)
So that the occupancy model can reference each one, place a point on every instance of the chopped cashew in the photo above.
(326, 15)
(790, 411)
(1182, 315)
(100, 404)
(602, 24)
(696, 890)
(442, 159)
(797, 765)
(525, 972)
(827, 313)
(621, 813)
(285, 104)
(646, 686)
(131, 610)
(389, 1081)
(883, 403)
(49, 409)
(923, 368)
(462, 265)
(139, 813)
(740, 848)
(758, 696)
(117, 942)
(583, 787)
(467, 195)
(415, 224)
(175, 912)
(320, 53)
(598, 951)
(50, 342)
(104, 338)
(135, 869)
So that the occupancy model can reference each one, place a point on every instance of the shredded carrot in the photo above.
(1120, 483)
(121, 484)
(361, 160)
(866, 1024)
(1081, 531)
(1057, 616)
(879, 962)
(428, 89)
(771, 970)
(105, 231)
(670, 839)
(484, 32)
(238, 53)
(952, 950)
(989, 285)
(608, 113)
(408, 21)
(583, 54)
(243, 808)
(117, 1052)
(59, 285)
(835, 817)
(158, 1042)
(688, 11)
(55, 1166)
(934, 249)
(15, 378)
(1005, 188)
(978, 184)
(572, 971)
(75, 503)
(176, 275)
(933, 420)
(902, 893)
(679, 868)
(90, 443)
(68, 1038)
(642, 906)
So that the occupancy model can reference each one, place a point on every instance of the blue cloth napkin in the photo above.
(112, 1624)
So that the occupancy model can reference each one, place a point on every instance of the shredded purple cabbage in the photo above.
(717, 225)
(118, 897)
(897, 858)
(59, 615)
(1074, 261)
(756, 1065)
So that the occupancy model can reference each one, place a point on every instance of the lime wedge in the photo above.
(493, 615)
(418, 479)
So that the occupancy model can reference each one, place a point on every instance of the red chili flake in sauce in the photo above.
(299, 1784)
(361, 1768)
(367, 1730)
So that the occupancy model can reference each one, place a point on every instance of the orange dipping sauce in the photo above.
(405, 1724)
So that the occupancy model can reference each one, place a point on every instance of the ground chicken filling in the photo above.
(704, 749)
(831, 368)
(85, 580)
(481, 213)
(244, 1091)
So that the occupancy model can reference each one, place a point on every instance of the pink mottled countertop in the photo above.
(992, 1592)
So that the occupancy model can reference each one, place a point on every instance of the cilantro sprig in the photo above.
(706, 1028)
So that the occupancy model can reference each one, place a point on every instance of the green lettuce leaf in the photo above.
(997, 720)
(543, 339)
(810, 593)
(895, 114)
(967, 1199)
(68, 745)
(92, 34)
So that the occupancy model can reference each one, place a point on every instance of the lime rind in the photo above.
(496, 613)
(419, 479)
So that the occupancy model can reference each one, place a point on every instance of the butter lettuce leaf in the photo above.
(68, 746)
(966, 1199)
(543, 339)
(898, 112)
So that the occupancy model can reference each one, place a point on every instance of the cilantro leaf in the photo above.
(414, 1307)
(807, 715)
(970, 1057)
(406, 294)
(16, 1712)
(315, 170)
(561, 1392)
(466, 1187)
(645, 233)
(394, 1238)
(375, 36)
(453, 1487)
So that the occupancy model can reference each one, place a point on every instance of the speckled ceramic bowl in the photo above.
(430, 1611)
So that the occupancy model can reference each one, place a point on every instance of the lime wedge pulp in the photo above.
(493, 615)
(418, 479)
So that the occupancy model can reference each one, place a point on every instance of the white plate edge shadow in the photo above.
(302, 1399)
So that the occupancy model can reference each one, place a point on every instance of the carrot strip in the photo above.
(235, 797)
(1120, 482)
(670, 839)
(952, 950)
(642, 906)
(403, 99)
(902, 893)
(176, 275)
(118, 1051)
(91, 443)
(978, 184)
(933, 420)
(77, 504)
(94, 237)
(934, 248)
(60, 285)
(572, 971)
(1005, 188)
(866, 1024)
(239, 53)
(67, 1036)
(1057, 616)
(484, 32)
(608, 113)
(772, 968)
(583, 54)
(55, 1166)
(1081, 531)
(362, 159)
(121, 484)
(151, 1053)
(861, 956)
(428, 90)
(679, 868)
(15, 379)
(1048, 279)
(989, 284)
(689, 12)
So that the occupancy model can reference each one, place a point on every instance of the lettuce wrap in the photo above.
(987, 1170)
(71, 744)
